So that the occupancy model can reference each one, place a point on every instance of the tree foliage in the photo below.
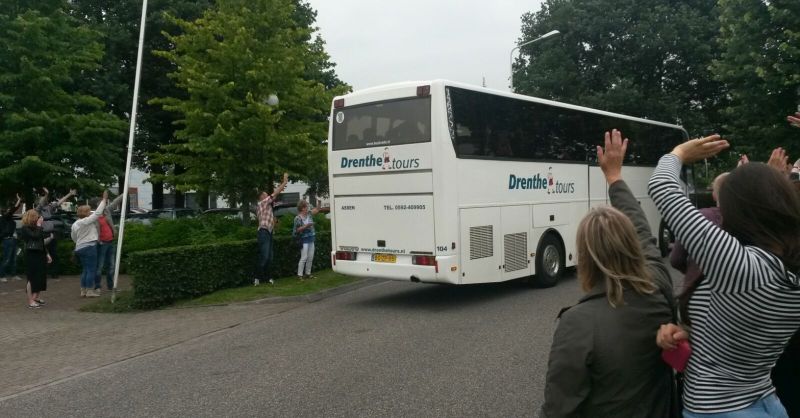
(118, 23)
(760, 64)
(53, 131)
(231, 139)
(646, 58)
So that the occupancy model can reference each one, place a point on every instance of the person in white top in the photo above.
(85, 235)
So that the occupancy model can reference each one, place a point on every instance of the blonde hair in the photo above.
(302, 204)
(609, 252)
(83, 211)
(30, 217)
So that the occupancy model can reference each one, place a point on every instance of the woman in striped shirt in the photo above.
(748, 307)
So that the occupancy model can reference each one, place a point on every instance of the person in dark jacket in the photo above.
(8, 232)
(604, 361)
(36, 256)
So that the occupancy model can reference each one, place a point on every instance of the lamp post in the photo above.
(511, 54)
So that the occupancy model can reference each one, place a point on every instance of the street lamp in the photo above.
(511, 55)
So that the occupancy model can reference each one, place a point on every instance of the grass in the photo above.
(289, 286)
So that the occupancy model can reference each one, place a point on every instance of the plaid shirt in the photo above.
(265, 217)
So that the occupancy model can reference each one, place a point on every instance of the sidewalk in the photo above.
(41, 346)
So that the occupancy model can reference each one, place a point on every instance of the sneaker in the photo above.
(34, 305)
(256, 282)
(40, 302)
(16, 278)
(83, 292)
(92, 294)
(311, 277)
(271, 281)
(3, 279)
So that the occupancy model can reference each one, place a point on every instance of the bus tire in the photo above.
(549, 261)
(665, 239)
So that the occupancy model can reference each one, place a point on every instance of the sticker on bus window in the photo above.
(340, 117)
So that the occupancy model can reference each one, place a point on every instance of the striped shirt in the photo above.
(266, 219)
(742, 314)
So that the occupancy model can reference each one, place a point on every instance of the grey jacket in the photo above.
(604, 361)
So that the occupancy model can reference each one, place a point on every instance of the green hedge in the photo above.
(163, 276)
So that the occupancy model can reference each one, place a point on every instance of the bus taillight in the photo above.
(425, 260)
(346, 255)
(423, 91)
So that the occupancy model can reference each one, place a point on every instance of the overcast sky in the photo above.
(378, 42)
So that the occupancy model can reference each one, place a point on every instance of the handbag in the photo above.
(34, 245)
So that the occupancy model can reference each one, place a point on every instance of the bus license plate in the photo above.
(384, 258)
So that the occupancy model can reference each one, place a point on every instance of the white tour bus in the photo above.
(443, 182)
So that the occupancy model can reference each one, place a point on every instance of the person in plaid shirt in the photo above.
(266, 221)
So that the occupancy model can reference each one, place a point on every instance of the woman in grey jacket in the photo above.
(604, 361)
(85, 235)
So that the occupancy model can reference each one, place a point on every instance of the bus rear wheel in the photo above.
(549, 261)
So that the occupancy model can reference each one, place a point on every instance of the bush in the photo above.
(163, 276)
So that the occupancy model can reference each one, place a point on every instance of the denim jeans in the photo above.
(264, 254)
(766, 407)
(106, 253)
(306, 259)
(88, 258)
(8, 264)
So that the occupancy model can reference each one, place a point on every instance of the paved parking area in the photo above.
(56, 342)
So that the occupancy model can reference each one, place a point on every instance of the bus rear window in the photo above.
(395, 122)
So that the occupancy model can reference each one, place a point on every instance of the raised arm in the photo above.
(278, 190)
(610, 159)
(622, 199)
(61, 201)
(719, 255)
(100, 208)
(10, 212)
(116, 203)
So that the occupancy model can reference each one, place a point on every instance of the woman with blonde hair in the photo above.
(85, 234)
(604, 361)
(35, 242)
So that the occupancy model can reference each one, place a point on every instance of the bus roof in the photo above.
(405, 85)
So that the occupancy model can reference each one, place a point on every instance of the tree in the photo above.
(118, 24)
(53, 131)
(232, 140)
(760, 64)
(646, 58)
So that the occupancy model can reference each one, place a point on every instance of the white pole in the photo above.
(131, 134)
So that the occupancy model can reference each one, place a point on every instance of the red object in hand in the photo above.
(678, 357)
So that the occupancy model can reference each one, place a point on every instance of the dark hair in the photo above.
(761, 207)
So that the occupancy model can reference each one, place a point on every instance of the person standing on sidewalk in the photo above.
(36, 257)
(106, 254)
(85, 235)
(8, 230)
(303, 228)
(47, 210)
(266, 223)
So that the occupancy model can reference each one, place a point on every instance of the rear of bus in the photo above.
(380, 162)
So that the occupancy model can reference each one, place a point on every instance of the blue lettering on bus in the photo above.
(379, 162)
(368, 161)
(539, 182)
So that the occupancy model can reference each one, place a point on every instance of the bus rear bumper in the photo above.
(404, 272)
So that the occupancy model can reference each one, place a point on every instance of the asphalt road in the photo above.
(390, 349)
